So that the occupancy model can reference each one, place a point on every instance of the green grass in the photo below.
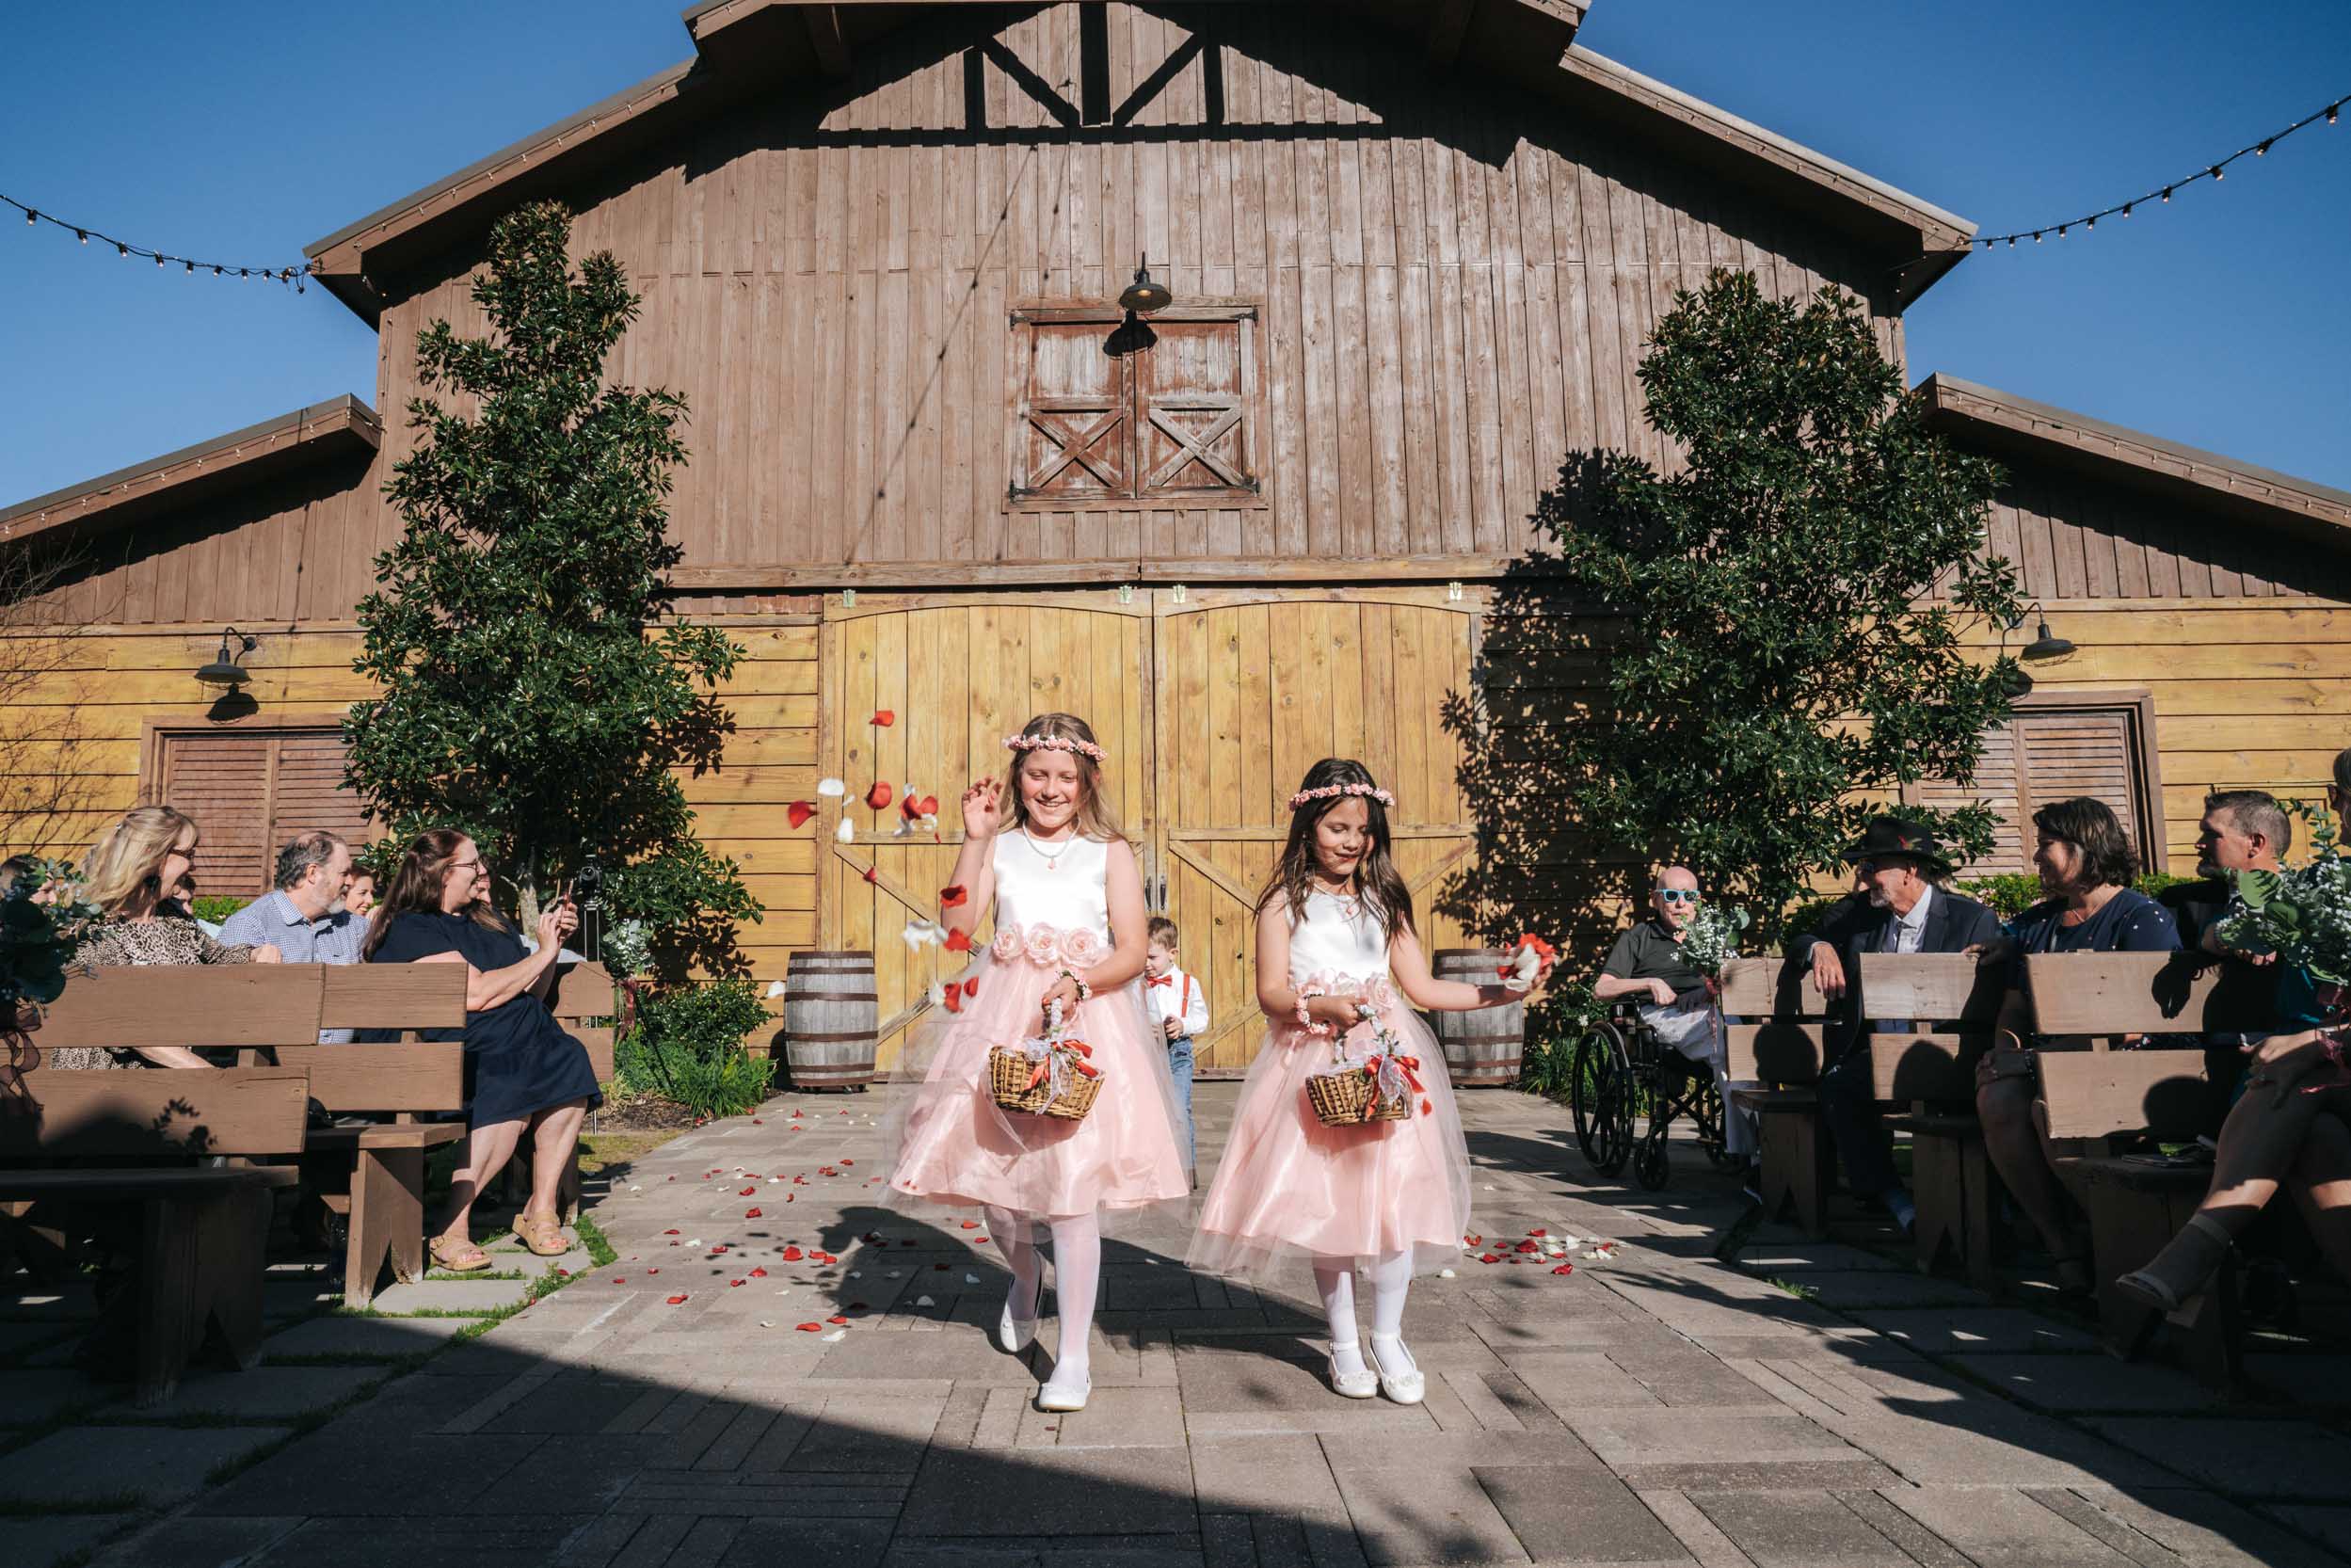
(1801, 1292)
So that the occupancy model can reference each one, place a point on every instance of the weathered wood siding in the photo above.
(1457, 281)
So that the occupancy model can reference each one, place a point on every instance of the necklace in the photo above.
(1053, 862)
(1349, 902)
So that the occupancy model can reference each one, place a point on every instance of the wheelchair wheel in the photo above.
(1613, 1136)
(1651, 1167)
(1597, 1062)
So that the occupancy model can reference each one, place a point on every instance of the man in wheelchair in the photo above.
(1673, 1000)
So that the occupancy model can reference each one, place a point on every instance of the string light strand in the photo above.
(2216, 172)
(189, 265)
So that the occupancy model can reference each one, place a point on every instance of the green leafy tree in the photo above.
(1735, 662)
(537, 692)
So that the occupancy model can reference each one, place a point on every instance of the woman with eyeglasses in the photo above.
(523, 1071)
(2086, 861)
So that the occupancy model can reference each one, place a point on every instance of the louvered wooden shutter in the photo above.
(249, 791)
(1075, 438)
(1193, 430)
(223, 782)
(2051, 754)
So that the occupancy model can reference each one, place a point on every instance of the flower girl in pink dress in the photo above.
(1333, 924)
(1041, 847)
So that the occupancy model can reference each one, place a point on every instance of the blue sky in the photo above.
(243, 133)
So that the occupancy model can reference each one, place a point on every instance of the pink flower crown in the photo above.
(1054, 742)
(1333, 791)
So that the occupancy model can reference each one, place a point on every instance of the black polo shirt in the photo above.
(1650, 951)
(2195, 906)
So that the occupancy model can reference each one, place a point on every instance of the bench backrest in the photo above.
(1929, 989)
(393, 996)
(424, 1074)
(2148, 993)
(206, 1006)
(584, 991)
(53, 1112)
(1780, 1037)
(2099, 1092)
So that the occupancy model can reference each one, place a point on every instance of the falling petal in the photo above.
(846, 832)
(799, 811)
(831, 787)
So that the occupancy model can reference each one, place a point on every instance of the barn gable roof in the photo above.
(742, 44)
(2005, 424)
(335, 427)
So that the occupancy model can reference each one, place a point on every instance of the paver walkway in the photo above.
(1661, 1406)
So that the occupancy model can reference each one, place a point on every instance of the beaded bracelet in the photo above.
(1305, 1020)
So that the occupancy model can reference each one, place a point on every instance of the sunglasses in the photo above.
(1678, 895)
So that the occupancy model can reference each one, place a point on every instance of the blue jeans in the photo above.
(1179, 1068)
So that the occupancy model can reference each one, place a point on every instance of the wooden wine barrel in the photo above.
(1482, 1048)
(830, 1019)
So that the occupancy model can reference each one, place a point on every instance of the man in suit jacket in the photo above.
(1900, 905)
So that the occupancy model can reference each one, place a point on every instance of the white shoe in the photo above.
(1058, 1396)
(1354, 1385)
(1405, 1386)
(1013, 1335)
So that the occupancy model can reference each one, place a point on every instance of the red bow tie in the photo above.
(1160, 979)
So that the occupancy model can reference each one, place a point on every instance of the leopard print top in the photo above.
(164, 939)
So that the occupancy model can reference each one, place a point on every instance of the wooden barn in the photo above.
(1414, 250)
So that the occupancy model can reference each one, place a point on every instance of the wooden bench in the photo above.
(2093, 1093)
(1782, 1053)
(373, 1177)
(202, 1228)
(1933, 1071)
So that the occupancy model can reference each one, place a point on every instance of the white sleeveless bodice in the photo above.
(1327, 943)
(1068, 891)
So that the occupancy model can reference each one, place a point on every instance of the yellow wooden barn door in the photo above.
(956, 675)
(1254, 688)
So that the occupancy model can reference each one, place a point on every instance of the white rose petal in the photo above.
(774, 988)
(924, 1301)
(836, 1334)
(767, 1323)
(1444, 1274)
(857, 1273)
(832, 787)
(846, 832)
(971, 1279)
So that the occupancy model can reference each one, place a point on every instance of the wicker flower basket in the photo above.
(1008, 1074)
(1351, 1098)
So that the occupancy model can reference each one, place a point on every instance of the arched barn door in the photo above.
(1253, 688)
(957, 675)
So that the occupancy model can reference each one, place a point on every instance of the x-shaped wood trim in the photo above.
(1075, 448)
(1192, 447)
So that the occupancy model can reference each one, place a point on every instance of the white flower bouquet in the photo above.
(1712, 939)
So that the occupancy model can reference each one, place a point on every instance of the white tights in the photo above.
(1391, 1282)
(1077, 1280)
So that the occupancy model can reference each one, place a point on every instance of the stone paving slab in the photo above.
(149, 1464)
(259, 1393)
(476, 1296)
(1662, 1408)
(39, 1541)
(31, 1396)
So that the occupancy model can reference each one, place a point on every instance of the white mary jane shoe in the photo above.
(1014, 1334)
(1353, 1386)
(1059, 1397)
(1405, 1386)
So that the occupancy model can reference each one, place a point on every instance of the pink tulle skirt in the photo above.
(1289, 1186)
(954, 1145)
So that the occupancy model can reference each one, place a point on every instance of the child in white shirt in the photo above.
(1179, 1009)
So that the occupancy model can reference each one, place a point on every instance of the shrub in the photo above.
(216, 907)
(687, 1047)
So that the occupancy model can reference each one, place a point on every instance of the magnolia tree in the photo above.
(537, 692)
(1735, 662)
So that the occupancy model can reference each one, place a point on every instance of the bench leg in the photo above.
(1951, 1180)
(387, 1222)
(1977, 1207)
(200, 1264)
(1793, 1171)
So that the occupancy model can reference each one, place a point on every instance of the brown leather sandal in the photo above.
(541, 1234)
(453, 1256)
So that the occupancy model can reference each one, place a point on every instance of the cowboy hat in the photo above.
(1891, 838)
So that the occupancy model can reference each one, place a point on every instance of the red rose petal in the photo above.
(980, 1241)
(799, 811)
(732, 1284)
(929, 806)
(1528, 1246)
(747, 1192)
(676, 1301)
(941, 1266)
(872, 874)
(810, 1328)
(621, 1279)
(792, 1254)
(971, 987)
(958, 942)
(750, 1214)
(1564, 1269)
(880, 795)
(1489, 1257)
(836, 1319)
(669, 1233)
(885, 718)
(971, 1224)
(652, 1270)
(1539, 1232)
(949, 897)
(951, 998)
(759, 1274)
(849, 1163)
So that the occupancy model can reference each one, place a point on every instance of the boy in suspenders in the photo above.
(1179, 1009)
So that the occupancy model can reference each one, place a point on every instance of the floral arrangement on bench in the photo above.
(2302, 914)
(42, 916)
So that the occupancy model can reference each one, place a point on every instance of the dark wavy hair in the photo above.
(1378, 883)
(2090, 826)
(416, 887)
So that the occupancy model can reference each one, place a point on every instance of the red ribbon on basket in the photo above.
(1408, 1066)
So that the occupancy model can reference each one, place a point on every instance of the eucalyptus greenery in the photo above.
(537, 692)
(38, 937)
(1746, 655)
(2300, 913)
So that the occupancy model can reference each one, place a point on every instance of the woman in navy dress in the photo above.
(523, 1071)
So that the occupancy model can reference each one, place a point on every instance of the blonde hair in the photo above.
(131, 855)
(1095, 819)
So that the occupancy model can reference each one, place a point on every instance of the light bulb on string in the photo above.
(82, 234)
(2261, 150)
(2166, 193)
(122, 250)
(31, 217)
(2219, 173)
